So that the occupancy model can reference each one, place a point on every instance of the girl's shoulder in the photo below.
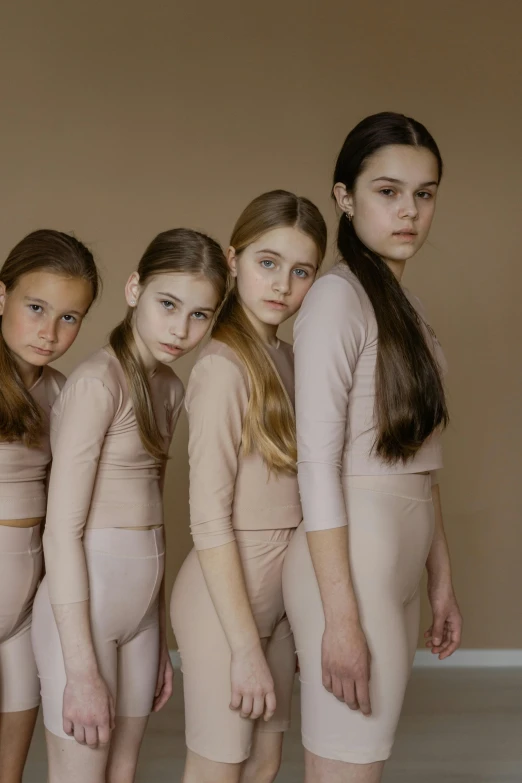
(218, 371)
(338, 289)
(336, 304)
(215, 348)
(48, 387)
(100, 369)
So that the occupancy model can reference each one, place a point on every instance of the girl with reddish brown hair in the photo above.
(47, 284)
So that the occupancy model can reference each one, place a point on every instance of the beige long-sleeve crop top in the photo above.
(228, 489)
(23, 470)
(102, 476)
(335, 360)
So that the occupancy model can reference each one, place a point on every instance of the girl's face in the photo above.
(393, 202)
(173, 312)
(273, 275)
(42, 315)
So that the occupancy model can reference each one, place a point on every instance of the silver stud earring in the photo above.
(133, 302)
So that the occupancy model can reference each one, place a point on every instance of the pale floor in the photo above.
(458, 726)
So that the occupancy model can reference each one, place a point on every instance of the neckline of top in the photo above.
(37, 381)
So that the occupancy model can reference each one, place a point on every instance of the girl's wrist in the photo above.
(440, 580)
(438, 566)
(245, 645)
(87, 672)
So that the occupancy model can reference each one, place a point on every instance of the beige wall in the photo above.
(121, 119)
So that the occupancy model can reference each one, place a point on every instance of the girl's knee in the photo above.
(201, 770)
(262, 767)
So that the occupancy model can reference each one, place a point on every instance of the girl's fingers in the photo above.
(160, 702)
(327, 680)
(68, 727)
(270, 705)
(104, 734)
(258, 707)
(165, 691)
(79, 733)
(247, 706)
(169, 681)
(452, 647)
(337, 688)
(362, 692)
(235, 701)
(349, 697)
(159, 684)
(91, 736)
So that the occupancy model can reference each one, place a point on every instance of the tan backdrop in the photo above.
(121, 119)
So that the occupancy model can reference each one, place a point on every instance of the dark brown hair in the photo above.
(179, 250)
(49, 251)
(410, 401)
(270, 422)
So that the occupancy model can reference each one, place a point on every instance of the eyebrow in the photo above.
(180, 301)
(400, 182)
(43, 302)
(275, 253)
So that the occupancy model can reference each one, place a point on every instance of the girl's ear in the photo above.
(232, 261)
(133, 289)
(344, 198)
(3, 293)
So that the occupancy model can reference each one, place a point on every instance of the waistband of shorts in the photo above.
(20, 540)
(416, 486)
(122, 542)
(278, 536)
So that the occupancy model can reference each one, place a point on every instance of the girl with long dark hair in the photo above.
(370, 409)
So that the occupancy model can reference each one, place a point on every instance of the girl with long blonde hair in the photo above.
(227, 610)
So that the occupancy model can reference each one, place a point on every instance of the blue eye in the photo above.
(200, 316)
(302, 273)
(167, 304)
(267, 263)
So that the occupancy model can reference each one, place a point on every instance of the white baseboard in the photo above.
(461, 659)
(470, 659)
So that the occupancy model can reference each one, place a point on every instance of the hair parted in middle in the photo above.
(410, 401)
(270, 420)
(44, 250)
(180, 250)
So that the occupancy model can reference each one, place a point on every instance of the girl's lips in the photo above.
(172, 349)
(42, 351)
(405, 234)
(277, 305)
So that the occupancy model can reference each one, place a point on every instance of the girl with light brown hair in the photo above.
(237, 651)
(47, 284)
(99, 619)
